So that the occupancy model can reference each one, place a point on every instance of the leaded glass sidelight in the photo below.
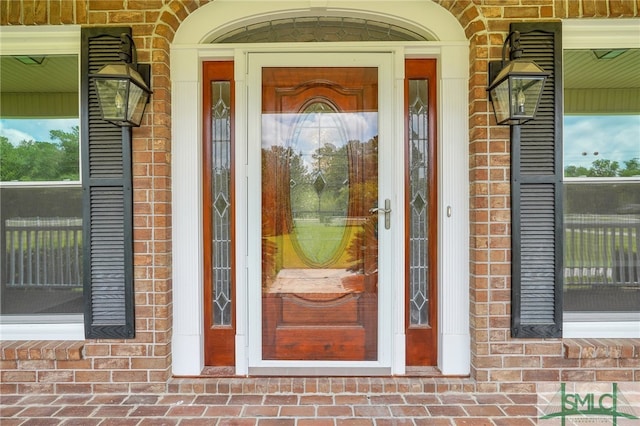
(221, 202)
(418, 203)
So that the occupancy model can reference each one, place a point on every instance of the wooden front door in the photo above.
(319, 236)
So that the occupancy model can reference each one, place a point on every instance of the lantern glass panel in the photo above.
(137, 102)
(500, 97)
(112, 94)
(525, 95)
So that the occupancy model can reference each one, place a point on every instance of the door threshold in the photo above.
(423, 372)
(221, 372)
(209, 371)
(320, 371)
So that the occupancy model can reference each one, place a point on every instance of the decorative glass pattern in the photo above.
(419, 212)
(220, 187)
(318, 29)
(319, 161)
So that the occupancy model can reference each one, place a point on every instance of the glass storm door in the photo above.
(319, 245)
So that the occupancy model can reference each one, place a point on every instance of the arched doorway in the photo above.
(189, 50)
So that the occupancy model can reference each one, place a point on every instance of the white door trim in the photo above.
(190, 49)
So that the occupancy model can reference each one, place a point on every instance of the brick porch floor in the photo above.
(279, 401)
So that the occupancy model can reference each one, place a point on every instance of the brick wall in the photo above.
(144, 363)
(499, 363)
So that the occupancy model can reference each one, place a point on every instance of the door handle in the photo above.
(386, 211)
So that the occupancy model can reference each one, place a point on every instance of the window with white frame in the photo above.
(40, 188)
(601, 154)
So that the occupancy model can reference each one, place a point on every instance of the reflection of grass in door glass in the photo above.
(319, 241)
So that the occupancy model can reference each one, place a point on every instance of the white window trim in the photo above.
(190, 48)
(600, 34)
(41, 40)
(51, 327)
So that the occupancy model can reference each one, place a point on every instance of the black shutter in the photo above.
(107, 201)
(536, 182)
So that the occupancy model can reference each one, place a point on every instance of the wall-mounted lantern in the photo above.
(123, 92)
(516, 88)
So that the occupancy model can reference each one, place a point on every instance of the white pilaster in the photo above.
(453, 232)
(187, 342)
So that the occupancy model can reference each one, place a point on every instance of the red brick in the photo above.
(581, 375)
(236, 422)
(354, 422)
(223, 411)
(37, 365)
(614, 375)
(315, 422)
(520, 410)
(505, 375)
(542, 374)
(506, 348)
(75, 411)
(55, 376)
(276, 422)
(543, 348)
(370, 411)
(559, 362)
(17, 376)
(621, 7)
(83, 364)
(8, 365)
(92, 376)
(445, 410)
(106, 4)
(408, 411)
(111, 388)
(39, 411)
(315, 399)
(334, 411)
(150, 411)
(262, 411)
(351, 399)
(280, 399)
(129, 376)
(111, 363)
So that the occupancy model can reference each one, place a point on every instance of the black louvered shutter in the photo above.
(107, 201)
(536, 182)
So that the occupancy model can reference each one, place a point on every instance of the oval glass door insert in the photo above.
(319, 185)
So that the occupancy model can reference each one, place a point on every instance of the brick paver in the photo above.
(274, 408)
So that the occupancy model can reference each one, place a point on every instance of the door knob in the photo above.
(386, 211)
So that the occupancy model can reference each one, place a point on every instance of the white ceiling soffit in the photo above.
(38, 86)
(601, 86)
(57, 73)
